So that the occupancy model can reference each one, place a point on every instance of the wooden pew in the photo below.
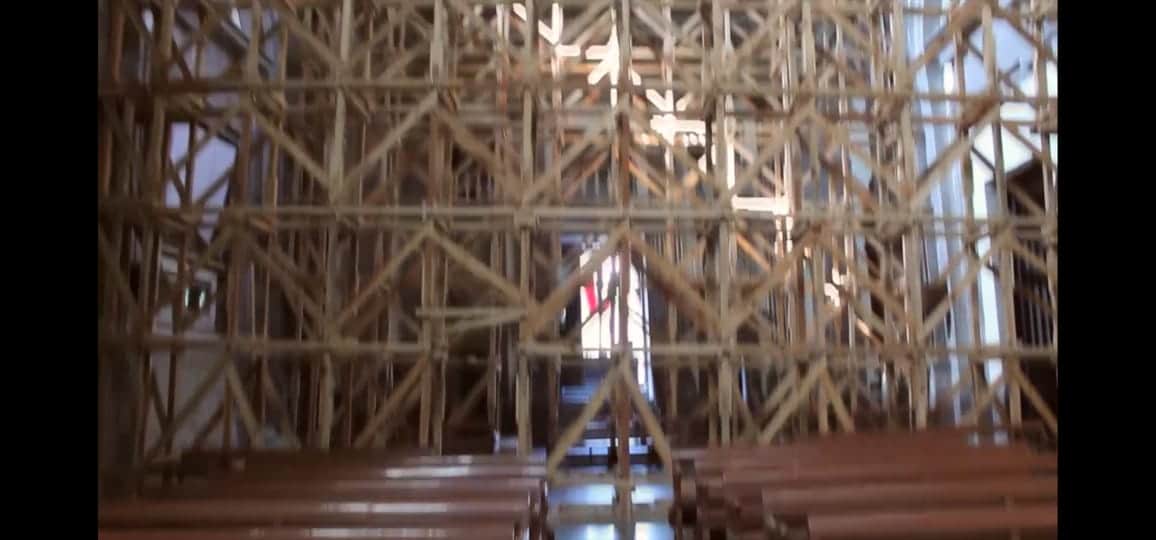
(843, 473)
(722, 487)
(379, 496)
(513, 512)
(833, 459)
(699, 463)
(215, 463)
(947, 436)
(292, 487)
(719, 495)
(255, 460)
(747, 480)
(851, 453)
(790, 507)
(290, 533)
(996, 521)
(452, 490)
(344, 471)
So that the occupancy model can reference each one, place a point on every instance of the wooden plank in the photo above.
(792, 403)
(289, 284)
(782, 390)
(893, 304)
(983, 400)
(470, 401)
(780, 138)
(1036, 400)
(467, 11)
(194, 400)
(836, 401)
(404, 387)
(474, 532)
(244, 406)
(743, 408)
(306, 513)
(574, 431)
(498, 168)
(908, 495)
(274, 396)
(782, 271)
(395, 19)
(595, 136)
(211, 130)
(112, 268)
(962, 19)
(381, 279)
(286, 143)
(937, 523)
(314, 45)
(1028, 256)
(690, 302)
(649, 420)
(372, 157)
(958, 149)
(847, 27)
(964, 285)
(482, 271)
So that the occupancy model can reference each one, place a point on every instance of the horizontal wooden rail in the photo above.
(291, 533)
(950, 523)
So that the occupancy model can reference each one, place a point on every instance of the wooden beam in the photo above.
(649, 420)
(814, 372)
(194, 400)
(387, 409)
(244, 406)
(835, 397)
(574, 431)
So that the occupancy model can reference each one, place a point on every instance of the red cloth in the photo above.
(591, 301)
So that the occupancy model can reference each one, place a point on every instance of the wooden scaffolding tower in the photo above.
(387, 239)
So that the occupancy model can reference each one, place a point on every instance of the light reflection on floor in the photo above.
(601, 446)
(642, 531)
(604, 494)
(636, 468)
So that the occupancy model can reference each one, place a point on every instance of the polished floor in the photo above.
(641, 531)
(603, 494)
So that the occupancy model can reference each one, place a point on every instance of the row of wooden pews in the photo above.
(932, 484)
(276, 495)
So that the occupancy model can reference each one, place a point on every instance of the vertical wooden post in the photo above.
(151, 186)
(913, 240)
(523, 395)
(336, 171)
(621, 174)
(669, 246)
(1006, 277)
(432, 266)
(724, 258)
(1043, 112)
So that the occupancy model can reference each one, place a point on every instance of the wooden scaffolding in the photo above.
(384, 252)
